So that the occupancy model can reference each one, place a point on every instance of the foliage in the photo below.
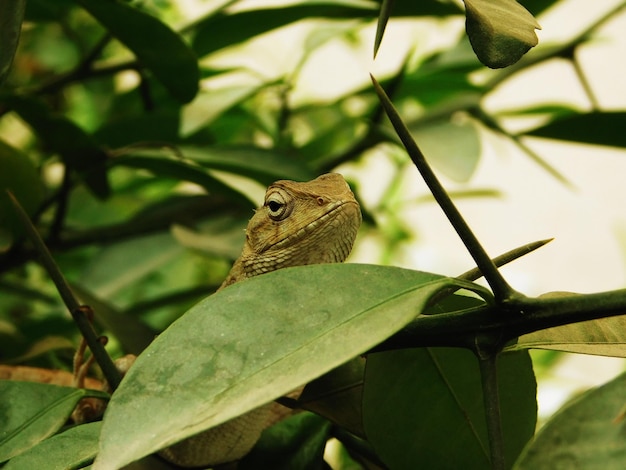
(138, 155)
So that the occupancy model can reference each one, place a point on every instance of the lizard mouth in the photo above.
(334, 210)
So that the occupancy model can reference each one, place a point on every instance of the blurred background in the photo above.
(142, 183)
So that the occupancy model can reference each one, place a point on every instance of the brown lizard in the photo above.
(299, 223)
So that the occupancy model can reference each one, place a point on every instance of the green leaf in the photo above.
(182, 170)
(600, 128)
(603, 337)
(586, 433)
(11, 16)
(19, 175)
(222, 30)
(453, 147)
(157, 47)
(265, 166)
(210, 105)
(337, 396)
(424, 407)
(117, 266)
(500, 31)
(32, 412)
(296, 442)
(73, 448)
(155, 127)
(221, 236)
(251, 343)
(78, 149)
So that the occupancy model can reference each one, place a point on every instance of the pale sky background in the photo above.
(587, 222)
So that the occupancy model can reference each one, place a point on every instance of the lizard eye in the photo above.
(277, 207)
(274, 206)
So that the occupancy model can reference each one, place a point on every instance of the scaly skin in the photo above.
(299, 223)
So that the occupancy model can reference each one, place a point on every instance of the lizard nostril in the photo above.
(321, 201)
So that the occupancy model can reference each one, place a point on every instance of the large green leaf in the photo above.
(603, 337)
(587, 433)
(32, 411)
(11, 16)
(601, 128)
(73, 448)
(423, 408)
(157, 47)
(500, 31)
(251, 343)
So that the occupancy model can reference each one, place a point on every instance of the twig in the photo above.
(501, 289)
(80, 313)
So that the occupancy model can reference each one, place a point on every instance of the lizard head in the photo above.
(304, 223)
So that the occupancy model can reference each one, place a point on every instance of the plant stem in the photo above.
(491, 400)
(584, 82)
(501, 289)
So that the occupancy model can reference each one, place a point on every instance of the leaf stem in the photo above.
(491, 400)
(501, 289)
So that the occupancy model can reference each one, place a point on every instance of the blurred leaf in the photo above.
(73, 448)
(11, 16)
(443, 78)
(40, 347)
(334, 133)
(220, 236)
(296, 442)
(182, 170)
(500, 31)
(538, 6)
(44, 10)
(603, 337)
(586, 433)
(209, 105)
(262, 165)
(430, 8)
(410, 9)
(424, 407)
(452, 146)
(168, 396)
(557, 110)
(118, 266)
(224, 29)
(32, 411)
(77, 148)
(157, 47)
(19, 175)
(600, 128)
(153, 128)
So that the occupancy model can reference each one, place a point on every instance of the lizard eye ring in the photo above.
(277, 206)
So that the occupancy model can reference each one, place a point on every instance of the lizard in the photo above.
(300, 223)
